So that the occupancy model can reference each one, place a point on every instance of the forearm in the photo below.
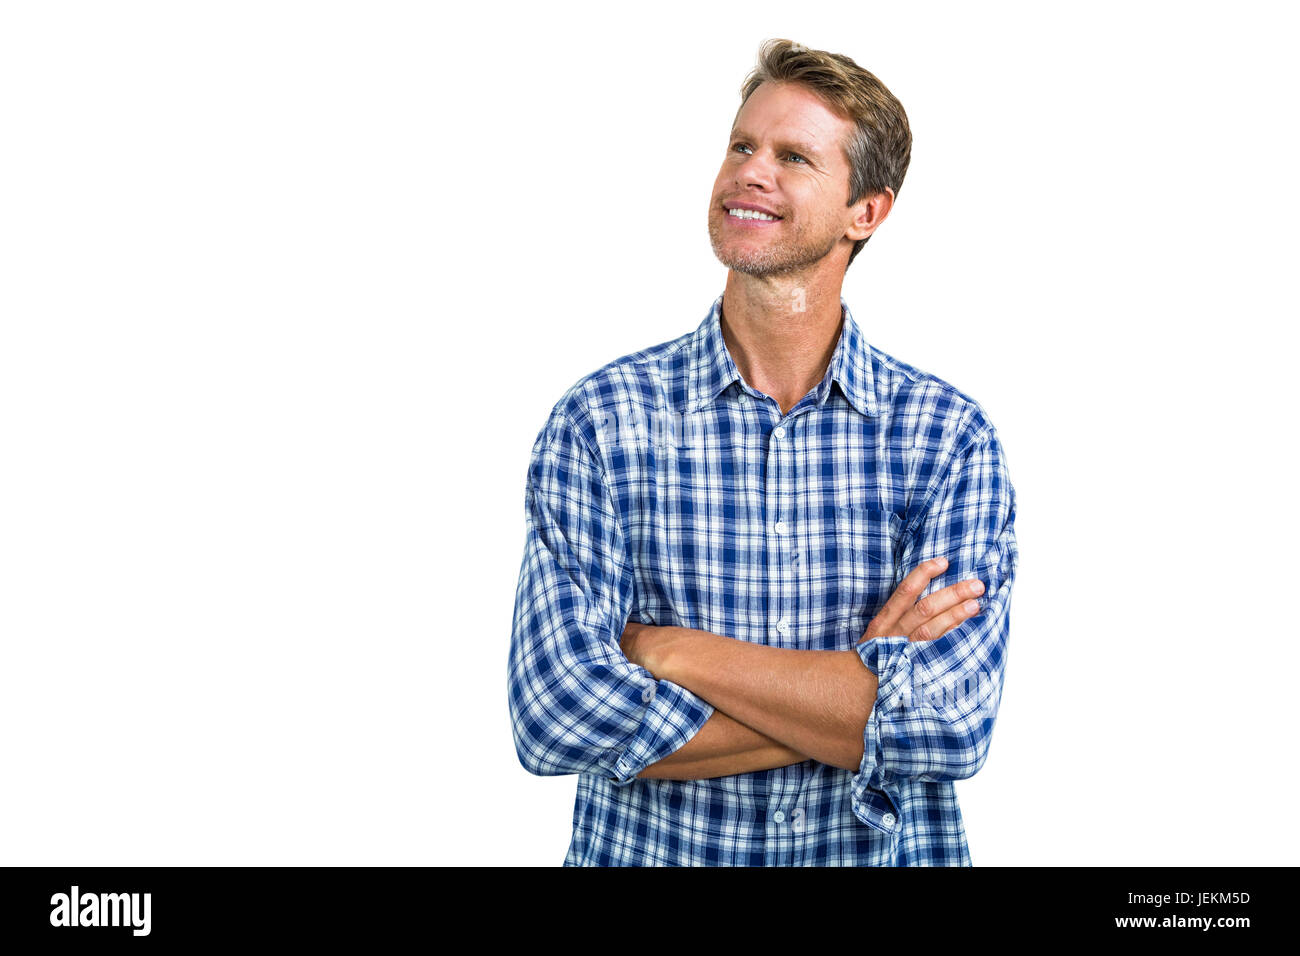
(813, 702)
(723, 746)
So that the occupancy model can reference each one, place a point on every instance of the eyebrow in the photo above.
(802, 148)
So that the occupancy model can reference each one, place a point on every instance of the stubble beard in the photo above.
(772, 257)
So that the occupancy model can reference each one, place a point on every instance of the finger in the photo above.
(886, 621)
(932, 605)
(916, 613)
(941, 624)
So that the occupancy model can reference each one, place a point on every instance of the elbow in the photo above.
(550, 742)
(559, 731)
(529, 727)
(978, 726)
(534, 724)
(526, 746)
(529, 761)
(536, 744)
(535, 753)
(974, 749)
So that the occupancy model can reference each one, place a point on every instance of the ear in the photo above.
(868, 213)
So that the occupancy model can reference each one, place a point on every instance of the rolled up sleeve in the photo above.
(577, 704)
(937, 700)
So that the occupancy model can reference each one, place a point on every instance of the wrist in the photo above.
(687, 655)
(660, 658)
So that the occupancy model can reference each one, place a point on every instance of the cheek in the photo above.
(823, 224)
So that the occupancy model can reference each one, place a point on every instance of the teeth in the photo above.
(750, 214)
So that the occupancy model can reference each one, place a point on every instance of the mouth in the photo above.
(753, 218)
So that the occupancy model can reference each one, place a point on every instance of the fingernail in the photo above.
(941, 563)
(972, 607)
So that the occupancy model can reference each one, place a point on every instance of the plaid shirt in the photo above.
(664, 489)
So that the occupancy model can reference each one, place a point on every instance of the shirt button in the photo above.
(779, 817)
(779, 431)
(887, 819)
(783, 625)
(780, 527)
(647, 695)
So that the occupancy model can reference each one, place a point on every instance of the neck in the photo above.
(781, 333)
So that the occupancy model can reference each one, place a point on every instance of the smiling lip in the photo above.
(753, 207)
(752, 223)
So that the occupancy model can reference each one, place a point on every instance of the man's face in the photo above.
(786, 155)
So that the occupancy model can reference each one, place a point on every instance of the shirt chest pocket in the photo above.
(867, 541)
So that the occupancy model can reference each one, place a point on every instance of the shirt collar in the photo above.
(852, 365)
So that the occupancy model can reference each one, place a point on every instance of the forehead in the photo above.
(792, 115)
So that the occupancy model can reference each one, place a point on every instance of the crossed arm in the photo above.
(686, 704)
(723, 746)
(788, 705)
(774, 706)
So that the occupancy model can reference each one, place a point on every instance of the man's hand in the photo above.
(931, 617)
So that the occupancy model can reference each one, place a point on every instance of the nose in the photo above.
(756, 170)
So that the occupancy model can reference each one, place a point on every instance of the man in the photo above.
(717, 624)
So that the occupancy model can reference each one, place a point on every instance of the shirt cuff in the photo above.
(673, 715)
(873, 796)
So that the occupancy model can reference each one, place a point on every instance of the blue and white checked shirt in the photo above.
(664, 489)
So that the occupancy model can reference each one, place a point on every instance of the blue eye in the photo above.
(745, 146)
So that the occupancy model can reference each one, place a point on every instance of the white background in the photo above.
(287, 291)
